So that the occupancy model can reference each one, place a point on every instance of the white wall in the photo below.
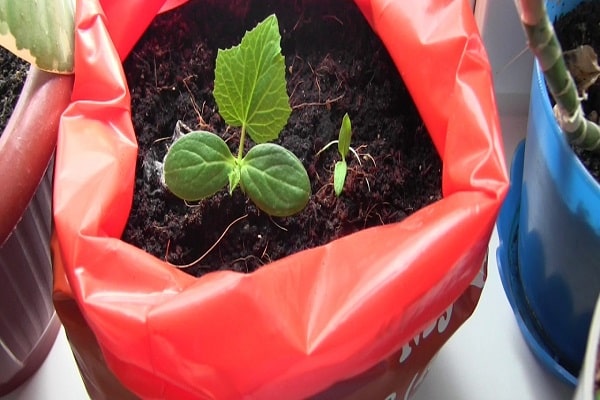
(505, 43)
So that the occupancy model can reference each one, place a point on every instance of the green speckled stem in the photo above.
(543, 43)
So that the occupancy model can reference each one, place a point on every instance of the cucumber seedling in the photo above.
(250, 91)
(341, 167)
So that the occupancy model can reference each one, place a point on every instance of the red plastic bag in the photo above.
(337, 321)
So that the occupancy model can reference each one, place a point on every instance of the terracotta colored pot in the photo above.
(28, 323)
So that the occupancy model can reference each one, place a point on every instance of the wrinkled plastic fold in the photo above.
(301, 324)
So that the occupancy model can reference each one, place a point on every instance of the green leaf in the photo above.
(197, 165)
(250, 86)
(39, 31)
(234, 178)
(339, 176)
(344, 137)
(275, 180)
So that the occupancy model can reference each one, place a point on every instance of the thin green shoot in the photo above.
(340, 170)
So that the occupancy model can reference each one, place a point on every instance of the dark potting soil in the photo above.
(578, 27)
(13, 72)
(335, 64)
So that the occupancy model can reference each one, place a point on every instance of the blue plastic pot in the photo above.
(549, 229)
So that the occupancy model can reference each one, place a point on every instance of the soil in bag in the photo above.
(13, 72)
(335, 64)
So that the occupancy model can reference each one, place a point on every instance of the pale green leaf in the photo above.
(198, 165)
(250, 86)
(339, 176)
(345, 136)
(234, 178)
(39, 31)
(275, 180)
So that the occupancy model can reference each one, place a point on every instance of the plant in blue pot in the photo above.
(549, 227)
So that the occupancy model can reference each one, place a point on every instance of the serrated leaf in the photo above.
(250, 86)
(39, 31)
(197, 165)
(344, 136)
(275, 180)
(339, 176)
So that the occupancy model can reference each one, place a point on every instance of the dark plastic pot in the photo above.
(28, 323)
(550, 237)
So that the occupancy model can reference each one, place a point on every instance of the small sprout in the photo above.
(250, 90)
(341, 167)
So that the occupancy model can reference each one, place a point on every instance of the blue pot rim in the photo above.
(508, 222)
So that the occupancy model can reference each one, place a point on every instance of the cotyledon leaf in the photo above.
(198, 165)
(345, 136)
(39, 31)
(275, 180)
(339, 176)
